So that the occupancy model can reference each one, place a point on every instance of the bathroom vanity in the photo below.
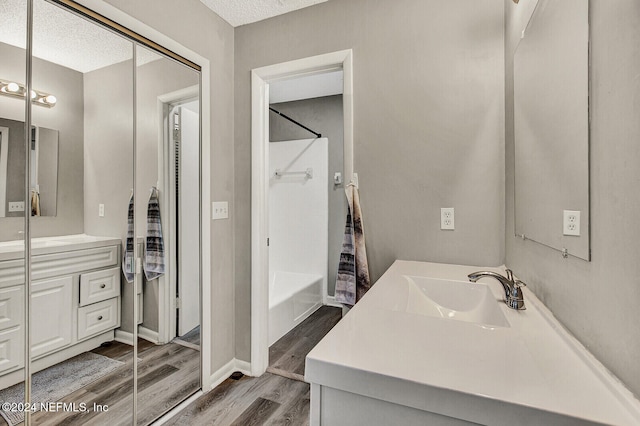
(426, 346)
(75, 300)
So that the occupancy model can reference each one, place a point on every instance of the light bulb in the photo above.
(13, 87)
(33, 94)
(51, 100)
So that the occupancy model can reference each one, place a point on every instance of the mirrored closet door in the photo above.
(167, 214)
(14, 138)
(100, 175)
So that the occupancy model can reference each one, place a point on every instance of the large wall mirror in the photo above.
(43, 179)
(551, 119)
(94, 177)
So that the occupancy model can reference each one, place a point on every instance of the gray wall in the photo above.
(598, 300)
(196, 27)
(429, 125)
(108, 158)
(323, 115)
(66, 117)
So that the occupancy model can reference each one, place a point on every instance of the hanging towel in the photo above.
(128, 265)
(154, 250)
(35, 203)
(353, 280)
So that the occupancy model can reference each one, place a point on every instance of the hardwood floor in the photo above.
(167, 374)
(287, 355)
(278, 397)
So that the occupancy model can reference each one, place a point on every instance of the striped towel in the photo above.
(154, 252)
(128, 265)
(353, 280)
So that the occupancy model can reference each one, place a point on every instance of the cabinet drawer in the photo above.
(11, 307)
(98, 286)
(11, 348)
(97, 318)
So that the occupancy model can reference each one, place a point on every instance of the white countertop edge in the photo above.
(447, 402)
(72, 243)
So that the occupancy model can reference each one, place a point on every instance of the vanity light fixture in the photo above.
(11, 88)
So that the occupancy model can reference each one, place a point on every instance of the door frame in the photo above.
(260, 80)
(167, 308)
(122, 18)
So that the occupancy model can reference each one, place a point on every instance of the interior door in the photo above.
(188, 217)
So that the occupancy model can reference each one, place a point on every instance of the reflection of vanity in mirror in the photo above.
(44, 170)
(551, 113)
(87, 317)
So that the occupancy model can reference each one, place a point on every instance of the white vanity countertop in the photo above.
(530, 372)
(11, 250)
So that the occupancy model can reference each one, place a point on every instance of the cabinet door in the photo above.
(51, 315)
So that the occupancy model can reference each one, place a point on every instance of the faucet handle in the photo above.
(509, 274)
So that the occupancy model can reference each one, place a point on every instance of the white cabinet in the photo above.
(11, 330)
(74, 305)
(51, 315)
(11, 348)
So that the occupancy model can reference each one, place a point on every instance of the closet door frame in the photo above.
(109, 16)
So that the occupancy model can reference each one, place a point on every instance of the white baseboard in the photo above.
(225, 371)
(243, 366)
(148, 335)
(331, 301)
(124, 337)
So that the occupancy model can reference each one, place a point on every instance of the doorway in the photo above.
(262, 78)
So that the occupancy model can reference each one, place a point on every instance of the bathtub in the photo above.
(292, 298)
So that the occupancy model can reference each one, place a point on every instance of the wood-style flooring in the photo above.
(167, 375)
(278, 397)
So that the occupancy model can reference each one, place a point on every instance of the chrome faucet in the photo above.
(513, 296)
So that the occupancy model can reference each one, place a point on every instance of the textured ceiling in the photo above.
(65, 39)
(241, 12)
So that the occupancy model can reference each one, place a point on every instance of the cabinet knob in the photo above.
(103, 285)
(100, 318)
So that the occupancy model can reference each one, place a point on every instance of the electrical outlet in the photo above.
(571, 223)
(219, 210)
(101, 210)
(447, 219)
(16, 206)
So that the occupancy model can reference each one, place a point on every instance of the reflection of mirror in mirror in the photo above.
(551, 119)
(43, 157)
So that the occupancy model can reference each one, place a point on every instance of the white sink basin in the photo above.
(454, 300)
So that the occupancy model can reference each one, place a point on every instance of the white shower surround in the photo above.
(298, 232)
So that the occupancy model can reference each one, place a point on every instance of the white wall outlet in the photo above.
(447, 219)
(571, 223)
(16, 206)
(219, 210)
(101, 210)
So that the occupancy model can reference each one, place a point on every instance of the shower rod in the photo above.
(319, 135)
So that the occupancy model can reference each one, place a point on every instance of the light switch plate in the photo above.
(220, 210)
(101, 210)
(571, 223)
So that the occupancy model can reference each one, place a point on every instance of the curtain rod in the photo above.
(319, 135)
